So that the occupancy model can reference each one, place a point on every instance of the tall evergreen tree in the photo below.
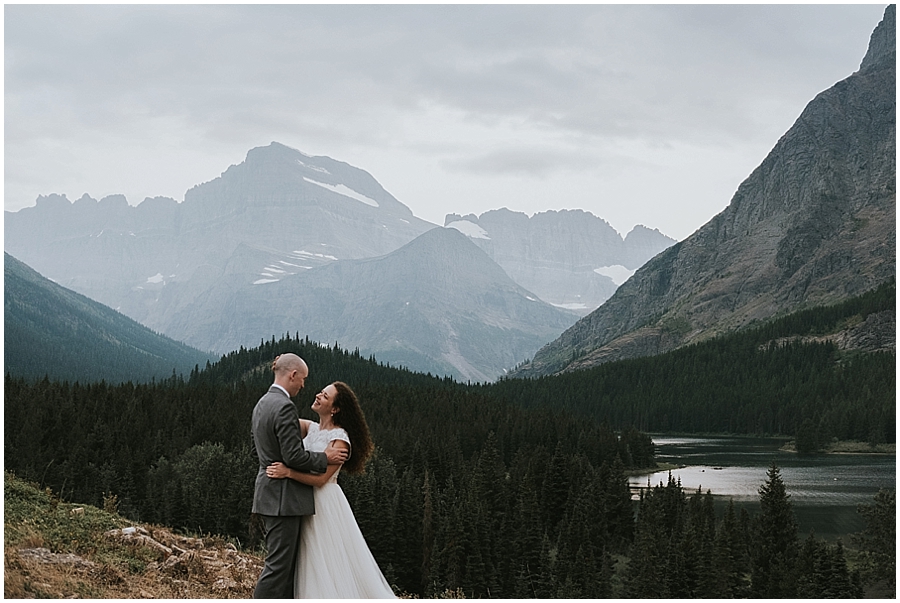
(775, 541)
(878, 539)
(730, 557)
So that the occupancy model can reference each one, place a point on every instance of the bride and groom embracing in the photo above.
(315, 548)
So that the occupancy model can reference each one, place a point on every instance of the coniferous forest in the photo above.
(773, 379)
(516, 489)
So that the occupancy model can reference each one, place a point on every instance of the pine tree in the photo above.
(407, 557)
(878, 539)
(775, 541)
(729, 557)
(528, 540)
(555, 493)
(428, 520)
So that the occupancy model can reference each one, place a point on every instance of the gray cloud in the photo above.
(541, 90)
(535, 162)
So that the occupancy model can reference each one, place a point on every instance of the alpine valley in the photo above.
(776, 320)
(289, 243)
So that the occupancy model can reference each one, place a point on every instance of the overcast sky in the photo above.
(639, 114)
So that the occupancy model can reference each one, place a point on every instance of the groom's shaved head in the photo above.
(287, 363)
(290, 373)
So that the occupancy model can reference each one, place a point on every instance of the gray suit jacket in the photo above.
(276, 437)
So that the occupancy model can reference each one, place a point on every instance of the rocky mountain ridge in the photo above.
(813, 224)
(569, 258)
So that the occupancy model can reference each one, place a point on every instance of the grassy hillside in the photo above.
(50, 330)
(55, 549)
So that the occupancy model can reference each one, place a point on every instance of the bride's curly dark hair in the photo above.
(350, 416)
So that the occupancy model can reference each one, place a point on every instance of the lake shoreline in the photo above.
(651, 470)
(847, 447)
(826, 489)
(839, 447)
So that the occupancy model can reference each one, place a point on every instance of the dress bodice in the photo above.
(317, 440)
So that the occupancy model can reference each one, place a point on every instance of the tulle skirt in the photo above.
(335, 561)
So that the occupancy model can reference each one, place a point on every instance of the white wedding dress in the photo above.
(334, 560)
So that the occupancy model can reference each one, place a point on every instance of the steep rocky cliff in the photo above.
(813, 224)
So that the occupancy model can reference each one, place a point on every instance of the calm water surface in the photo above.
(824, 489)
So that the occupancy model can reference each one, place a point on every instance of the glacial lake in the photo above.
(825, 489)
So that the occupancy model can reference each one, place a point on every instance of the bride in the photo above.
(334, 561)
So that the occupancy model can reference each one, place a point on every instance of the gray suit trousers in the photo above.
(283, 543)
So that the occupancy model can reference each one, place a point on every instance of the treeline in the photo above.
(823, 320)
(745, 382)
(683, 550)
(464, 492)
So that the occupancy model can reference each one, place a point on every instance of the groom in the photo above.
(280, 503)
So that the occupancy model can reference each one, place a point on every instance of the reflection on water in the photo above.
(824, 489)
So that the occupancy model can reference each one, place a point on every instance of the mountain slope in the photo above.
(815, 223)
(438, 304)
(569, 258)
(50, 330)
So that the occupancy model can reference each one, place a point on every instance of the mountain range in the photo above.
(266, 248)
(814, 224)
(50, 330)
(291, 209)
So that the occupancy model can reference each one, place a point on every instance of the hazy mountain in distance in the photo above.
(50, 330)
(569, 258)
(283, 203)
(438, 304)
(814, 224)
(204, 270)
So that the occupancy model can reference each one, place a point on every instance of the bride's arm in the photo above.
(282, 471)
(304, 427)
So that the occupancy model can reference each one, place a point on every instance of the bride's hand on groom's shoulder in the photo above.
(278, 471)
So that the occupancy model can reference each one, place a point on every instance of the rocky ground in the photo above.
(188, 568)
(55, 549)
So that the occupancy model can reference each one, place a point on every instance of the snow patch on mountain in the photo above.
(470, 229)
(618, 274)
(156, 278)
(345, 191)
(575, 306)
(315, 255)
(314, 168)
